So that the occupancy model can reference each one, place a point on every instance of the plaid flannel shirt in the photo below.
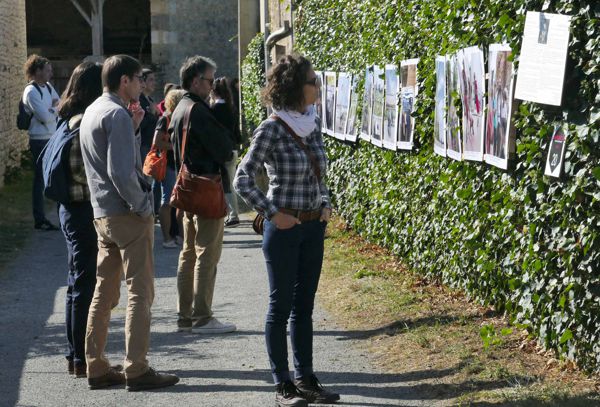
(78, 190)
(292, 182)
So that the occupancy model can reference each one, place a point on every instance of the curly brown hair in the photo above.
(33, 64)
(285, 83)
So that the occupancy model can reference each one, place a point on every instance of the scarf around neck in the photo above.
(302, 123)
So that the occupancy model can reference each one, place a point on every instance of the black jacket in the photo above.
(148, 123)
(225, 115)
(209, 144)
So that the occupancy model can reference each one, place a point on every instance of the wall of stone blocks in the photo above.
(183, 28)
(13, 53)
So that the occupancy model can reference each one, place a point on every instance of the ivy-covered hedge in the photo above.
(521, 241)
(253, 78)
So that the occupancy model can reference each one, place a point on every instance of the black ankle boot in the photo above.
(311, 389)
(287, 395)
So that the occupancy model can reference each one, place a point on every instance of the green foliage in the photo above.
(521, 241)
(252, 80)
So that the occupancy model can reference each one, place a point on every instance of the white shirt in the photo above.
(43, 122)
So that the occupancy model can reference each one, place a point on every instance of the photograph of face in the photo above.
(408, 73)
(500, 94)
(472, 89)
(390, 122)
(330, 88)
(319, 101)
(378, 105)
(367, 106)
(441, 105)
(351, 128)
(453, 135)
(342, 105)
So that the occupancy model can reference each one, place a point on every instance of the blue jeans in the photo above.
(77, 224)
(37, 192)
(294, 258)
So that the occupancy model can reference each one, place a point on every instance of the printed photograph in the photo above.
(453, 135)
(499, 132)
(390, 124)
(378, 106)
(408, 93)
(472, 90)
(556, 152)
(441, 105)
(330, 88)
(342, 105)
(351, 128)
(367, 106)
(319, 101)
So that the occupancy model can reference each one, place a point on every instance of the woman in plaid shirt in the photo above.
(296, 208)
(77, 216)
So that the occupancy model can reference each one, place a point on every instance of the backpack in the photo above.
(24, 116)
(54, 158)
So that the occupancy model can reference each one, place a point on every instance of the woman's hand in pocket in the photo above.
(284, 221)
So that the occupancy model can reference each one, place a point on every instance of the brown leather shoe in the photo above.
(80, 371)
(151, 380)
(111, 378)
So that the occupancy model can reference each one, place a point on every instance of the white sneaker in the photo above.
(213, 326)
(171, 244)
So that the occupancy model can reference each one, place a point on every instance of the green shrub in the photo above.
(253, 79)
(518, 240)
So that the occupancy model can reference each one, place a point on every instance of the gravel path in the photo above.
(220, 370)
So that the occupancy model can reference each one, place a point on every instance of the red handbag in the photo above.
(201, 195)
(155, 163)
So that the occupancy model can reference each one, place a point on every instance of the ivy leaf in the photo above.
(566, 336)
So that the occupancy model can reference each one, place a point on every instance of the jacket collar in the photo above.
(115, 98)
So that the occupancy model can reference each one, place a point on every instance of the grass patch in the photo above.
(411, 325)
(16, 224)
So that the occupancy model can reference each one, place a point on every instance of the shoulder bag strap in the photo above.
(186, 127)
(298, 140)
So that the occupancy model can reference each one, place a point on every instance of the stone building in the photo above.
(161, 33)
(13, 52)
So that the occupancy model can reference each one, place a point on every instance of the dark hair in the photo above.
(285, 83)
(146, 72)
(235, 93)
(192, 67)
(170, 86)
(117, 66)
(85, 85)
(221, 89)
(33, 64)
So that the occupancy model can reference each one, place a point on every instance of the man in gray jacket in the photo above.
(123, 218)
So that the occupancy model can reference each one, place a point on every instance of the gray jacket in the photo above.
(111, 155)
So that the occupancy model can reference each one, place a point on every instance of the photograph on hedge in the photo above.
(543, 58)
(351, 128)
(367, 105)
(378, 106)
(441, 105)
(342, 105)
(453, 136)
(319, 101)
(499, 134)
(556, 152)
(472, 88)
(408, 73)
(330, 88)
(390, 125)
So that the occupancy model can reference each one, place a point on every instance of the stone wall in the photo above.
(13, 53)
(183, 28)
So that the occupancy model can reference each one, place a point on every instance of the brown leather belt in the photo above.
(303, 216)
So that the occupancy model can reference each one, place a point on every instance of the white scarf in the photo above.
(302, 123)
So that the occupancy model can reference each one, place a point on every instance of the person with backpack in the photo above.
(75, 212)
(38, 105)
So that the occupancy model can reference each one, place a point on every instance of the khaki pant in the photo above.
(197, 270)
(125, 244)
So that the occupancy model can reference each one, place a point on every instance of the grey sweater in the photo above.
(111, 156)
